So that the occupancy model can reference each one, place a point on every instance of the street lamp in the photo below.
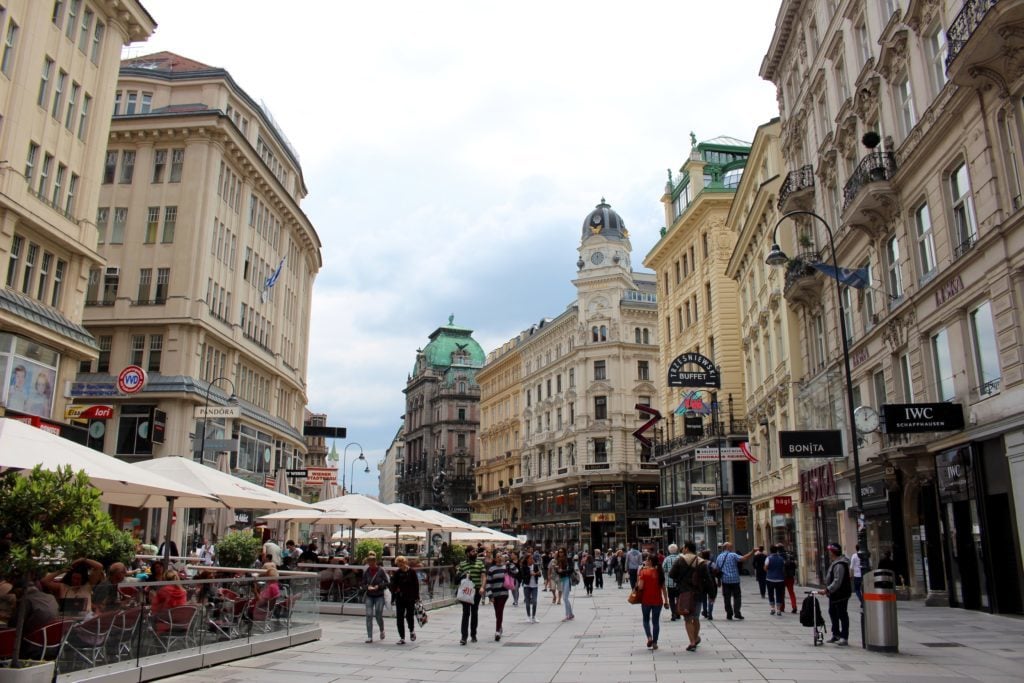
(352, 474)
(232, 399)
(344, 462)
(776, 257)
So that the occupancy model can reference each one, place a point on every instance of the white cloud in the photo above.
(452, 150)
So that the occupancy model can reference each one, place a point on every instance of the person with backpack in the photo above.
(666, 567)
(707, 603)
(839, 588)
(692, 578)
(791, 568)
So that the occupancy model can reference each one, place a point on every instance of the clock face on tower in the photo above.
(597, 258)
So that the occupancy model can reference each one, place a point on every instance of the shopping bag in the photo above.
(466, 591)
(421, 613)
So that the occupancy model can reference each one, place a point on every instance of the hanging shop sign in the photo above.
(711, 453)
(693, 426)
(703, 489)
(873, 491)
(707, 376)
(782, 505)
(315, 476)
(817, 483)
(602, 516)
(909, 418)
(93, 412)
(816, 443)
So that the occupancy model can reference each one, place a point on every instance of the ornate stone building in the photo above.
(586, 480)
(499, 479)
(442, 403)
(902, 123)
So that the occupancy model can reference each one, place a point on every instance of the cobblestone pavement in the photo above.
(606, 642)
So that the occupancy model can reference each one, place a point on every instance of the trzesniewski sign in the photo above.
(819, 443)
(907, 418)
(707, 376)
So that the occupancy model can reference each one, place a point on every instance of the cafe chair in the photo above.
(45, 642)
(7, 643)
(172, 626)
(123, 630)
(87, 640)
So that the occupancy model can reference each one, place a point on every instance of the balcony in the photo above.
(981, 40)
(802, 284)
(797, 192)
(869, 192)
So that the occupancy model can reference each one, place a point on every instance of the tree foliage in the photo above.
(238, 549)
(367, 546)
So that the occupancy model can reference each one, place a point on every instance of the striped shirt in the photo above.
(496, 581)
(474, 569)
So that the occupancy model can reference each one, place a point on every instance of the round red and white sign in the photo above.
(131, 380)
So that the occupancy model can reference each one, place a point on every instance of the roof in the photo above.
(726, 141)
(28, 308)
(166, 61)
(450, 339)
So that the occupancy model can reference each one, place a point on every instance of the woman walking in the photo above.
(497, 591)
(650, 582)
(620, 567)
(512, 568)
(775, 577)
(405, 587)
(707, 600)
(588, 568)
(530, 575)
(762, 578)
(556, 593)
(598, 569)
(791, 567)
(374, 583)
(565, 570)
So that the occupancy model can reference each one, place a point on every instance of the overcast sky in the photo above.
(452, 149)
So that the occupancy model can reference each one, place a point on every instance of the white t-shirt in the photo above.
(855, 565)
(274, 550)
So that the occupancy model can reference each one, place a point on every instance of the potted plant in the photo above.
(238, 549)
(45, 517)
(367, 546)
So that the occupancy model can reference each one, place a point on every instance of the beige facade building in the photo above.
(698, 312)
(499, 479)
(389, 467)
(771, 346)
(207, 279)
(587, 481)
(904, 118)
(58, 69)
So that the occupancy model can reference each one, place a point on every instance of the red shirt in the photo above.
(650, 594)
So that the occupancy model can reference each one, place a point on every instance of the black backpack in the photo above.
(810, 613)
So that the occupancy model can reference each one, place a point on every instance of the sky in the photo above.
(452, 150)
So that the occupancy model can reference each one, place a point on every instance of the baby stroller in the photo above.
(810, 616)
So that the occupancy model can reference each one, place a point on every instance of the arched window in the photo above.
(462, 387)
(604, 333)
(647, 336)
(593, 333)
(636, 334)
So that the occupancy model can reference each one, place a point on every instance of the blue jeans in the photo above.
(566, 588)
(858, 588)
(652, 613)
(530, 600)
(374, 610)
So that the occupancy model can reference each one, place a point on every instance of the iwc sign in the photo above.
(707, 376)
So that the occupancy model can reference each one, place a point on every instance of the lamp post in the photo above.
(232, 399)
(352, 474)
(344, 461)
(776, 257)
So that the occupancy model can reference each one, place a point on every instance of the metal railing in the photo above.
(959, 32)
(874, 167)
(797, 180)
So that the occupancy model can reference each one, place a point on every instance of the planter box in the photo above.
(36, 672)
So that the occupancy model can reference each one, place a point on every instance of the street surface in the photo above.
(606, 642)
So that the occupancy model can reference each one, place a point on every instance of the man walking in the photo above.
(633, 561)
(839, 588)
(472, 567)
(728, 564)
(858, 579)
(670, 584)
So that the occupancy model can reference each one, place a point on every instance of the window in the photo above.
(572, 377)
(892, 258)
(600, 407)
(935, 52)
(58, 95)
(43, 97)
(159, 163)
(869, 298)
(134, 433)
(9, 43)
(102, 218)
(44, 175)
(907, 385)
(943, 366)
(601, 455)
(643, 370)
(127, 166)
(58, 13)
(966, 229)
(72, 24)
(146, 105)
(58, 185)
(97, 42)
(117, 102)
(83, 36)
(109, 167)
(842, 81)
(120, 220)
(152, 223)
(925, 241)
(44, 275)
(863, 41)
(12, 263)
(30, 266)
(878, 384)
(106, 342)
(156, 348)
(138, 349)
(600, 370)
(177, 162)
(823, 122)
(905, 105)
(69, 117)
(170, 222)
(986, 349)
(111, 279)
(58, 283)
(30, 161)
(130, 102)
(818, 326)
(145, 282)
(83, 119)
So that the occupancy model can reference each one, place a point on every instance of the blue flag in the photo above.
(272, 280)
(851, 277)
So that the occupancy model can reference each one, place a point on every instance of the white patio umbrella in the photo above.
(354, 510)
(22, 447)
(482, 534)
(234, 491)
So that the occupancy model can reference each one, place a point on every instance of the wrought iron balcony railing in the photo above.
(874, 167)
(959, 32)
(797, 180)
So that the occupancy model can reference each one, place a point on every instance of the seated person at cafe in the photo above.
(42, 607)
(309, 555)
(105, 595)
(271, 591)
(171, 595)
(73, 590)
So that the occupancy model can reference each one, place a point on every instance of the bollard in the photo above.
(881, 632)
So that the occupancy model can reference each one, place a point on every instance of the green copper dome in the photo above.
(451, 345)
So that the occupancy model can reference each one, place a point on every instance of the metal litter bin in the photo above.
(881, 633)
